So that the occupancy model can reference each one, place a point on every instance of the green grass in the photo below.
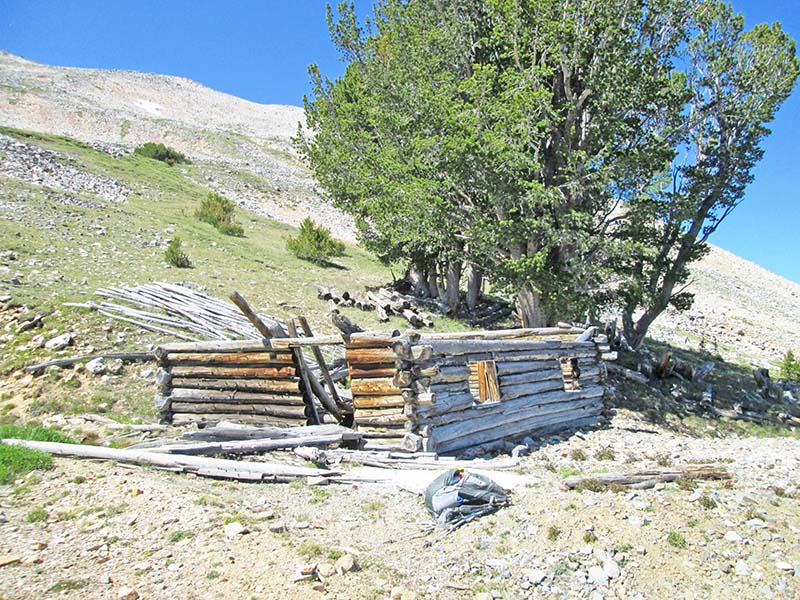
(177, 536)
(37, 515)
(35, 432)
(553, 533)
(676, 540)
(68, 584)
(16, 461)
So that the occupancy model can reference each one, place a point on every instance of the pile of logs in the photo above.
(177, 311)
(521, 385)
(386, 302)
(377, 400)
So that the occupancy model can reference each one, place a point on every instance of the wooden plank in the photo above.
(205, 395)
(647, 478)
(289, 412)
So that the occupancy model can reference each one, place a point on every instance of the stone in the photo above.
(326, 569)
(114, 366)
(611, 568)
(784, 566)
(345, 563)
(104, 579)
(408, 595)
(732, 536)
(59, 342)
(96, 366)
(278, 527)
(235, 528)
(536, 576)
(126, 593)
(597, 575)
(741, 568)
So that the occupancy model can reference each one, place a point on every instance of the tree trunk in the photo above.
(474, 283)
(419, 281)
(433, 282)
(453, 279)
(529, 307)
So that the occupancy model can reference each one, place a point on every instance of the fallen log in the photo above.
(229, 431)
(255, 446)
(643, 479)
(216, 467)
(67, 362)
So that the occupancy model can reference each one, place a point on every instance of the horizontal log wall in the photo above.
(375, 384)
(537, 392)
(248, 381)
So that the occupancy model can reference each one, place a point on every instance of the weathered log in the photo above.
(254, 446)
(390, 419)
(627, 374)
(531, 376)
(66, 362)
(373, 339)
(230, 385)
(206, 419)
(273, 330)
(510, 392)
(376, 386)
(372, 371)
(249, 359)
(448, 374)
(265, 373)
(403, 378)
(378, 401)
(554, 422)
(222, 346)
(514, 355)
(442, 404)
(379, 412)
(262, 470)
(421, 352)
(502, 334)
(234, 396)
(644, 479)
(513, 368)
(370, 356)
(270, 410)
(453, 347)
(305, 378)
(334, 404)
(421, 386)
(225, 431)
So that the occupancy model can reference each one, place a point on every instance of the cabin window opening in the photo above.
(483, 382)
(570, 373)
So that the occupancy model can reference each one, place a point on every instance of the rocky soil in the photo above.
(99, 530)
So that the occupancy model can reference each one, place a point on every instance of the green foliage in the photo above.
(553, 533)
(177, 536)
(217, 210)
(175, 256)
(676, 540)
(37, 515)
(160, 152)
(314, 243)
(35, 432)
(790, 367)
(507, 134)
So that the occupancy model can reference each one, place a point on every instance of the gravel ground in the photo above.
(111, 529)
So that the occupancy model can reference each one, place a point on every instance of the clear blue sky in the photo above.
(260, 50)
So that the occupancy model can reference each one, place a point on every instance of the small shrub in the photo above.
(35, 432)
(676, 540)
(605, 454)
(212, 575)
(589, 537)
(177, 536)
(577, 454)
(314, 243)
(175, 256)
(790, 367)
(686, 483)
(663, 460)
(217, 210)
(553, 533)
(37, 515)
(160, 152)
(707, 502)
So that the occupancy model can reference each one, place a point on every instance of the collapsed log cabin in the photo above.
(436, 392)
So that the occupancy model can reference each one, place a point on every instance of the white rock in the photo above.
(235, 528)
(96, 366)
(732, 536)
(126, 593)
(536, 576)
(611, 568)
(597, 575)
(784, 566)
(742, 569)
(59, 342)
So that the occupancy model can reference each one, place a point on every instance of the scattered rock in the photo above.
(59, 342)
(96, 366)
(126, 593)
(611, 568)
(345, 563)
(235, 528)
(597, 575)
(326, 570)
(536, 576)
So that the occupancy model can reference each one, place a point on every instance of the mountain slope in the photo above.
(243, 149)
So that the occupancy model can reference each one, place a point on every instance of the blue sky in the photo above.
(260, 50)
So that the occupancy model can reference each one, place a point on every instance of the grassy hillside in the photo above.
(68, 245)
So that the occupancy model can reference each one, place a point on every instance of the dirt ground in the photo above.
(103, 530)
